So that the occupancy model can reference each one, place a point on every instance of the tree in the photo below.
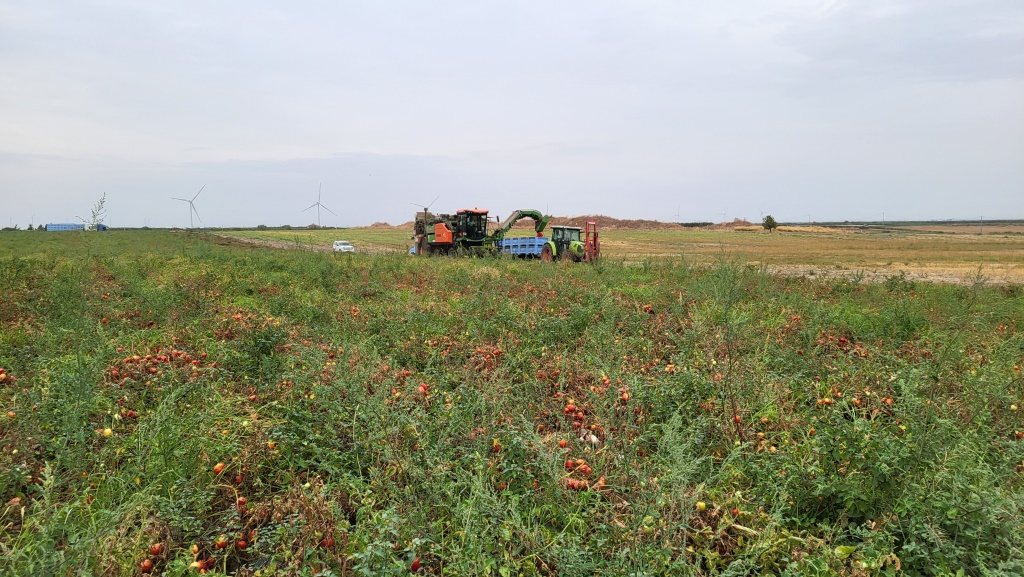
(769, 223)
(98, 213)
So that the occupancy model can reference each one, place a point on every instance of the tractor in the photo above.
(572, 242)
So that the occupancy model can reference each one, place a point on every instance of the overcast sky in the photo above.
(804, 109)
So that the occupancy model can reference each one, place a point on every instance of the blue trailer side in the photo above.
(525, 246)
(59, 226)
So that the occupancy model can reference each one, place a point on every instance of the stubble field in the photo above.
(178, 403)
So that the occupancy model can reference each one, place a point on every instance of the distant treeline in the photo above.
(695, 224)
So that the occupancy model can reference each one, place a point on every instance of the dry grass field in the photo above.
(923, 255)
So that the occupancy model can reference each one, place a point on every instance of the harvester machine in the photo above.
(451, 234)
(540, 222)
(465, 232)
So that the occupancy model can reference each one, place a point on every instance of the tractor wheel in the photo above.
(545, 254)
(453, 252)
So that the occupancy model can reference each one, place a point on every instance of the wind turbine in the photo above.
(192, 207)
(318, 206)
(426, 208)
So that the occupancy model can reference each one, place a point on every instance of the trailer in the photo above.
(522, 246)
(62, 226)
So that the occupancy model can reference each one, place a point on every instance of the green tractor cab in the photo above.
(567, 242)
(574, 243)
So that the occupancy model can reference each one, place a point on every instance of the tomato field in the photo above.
(172, 406)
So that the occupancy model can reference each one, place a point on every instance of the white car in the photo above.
(343, 246)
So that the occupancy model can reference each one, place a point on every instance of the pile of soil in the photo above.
(603, 223)
(609, 223)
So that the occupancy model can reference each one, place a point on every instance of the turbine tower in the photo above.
(319, 206)
(192, 207)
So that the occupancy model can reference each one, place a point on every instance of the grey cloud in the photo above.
(914, 40)
(630, 109)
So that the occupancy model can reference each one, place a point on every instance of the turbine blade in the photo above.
(181, 199)
(197, 214)
(330, 211)
(197, 194)
(309, 207)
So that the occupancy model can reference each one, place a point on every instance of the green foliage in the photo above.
(376, 410)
